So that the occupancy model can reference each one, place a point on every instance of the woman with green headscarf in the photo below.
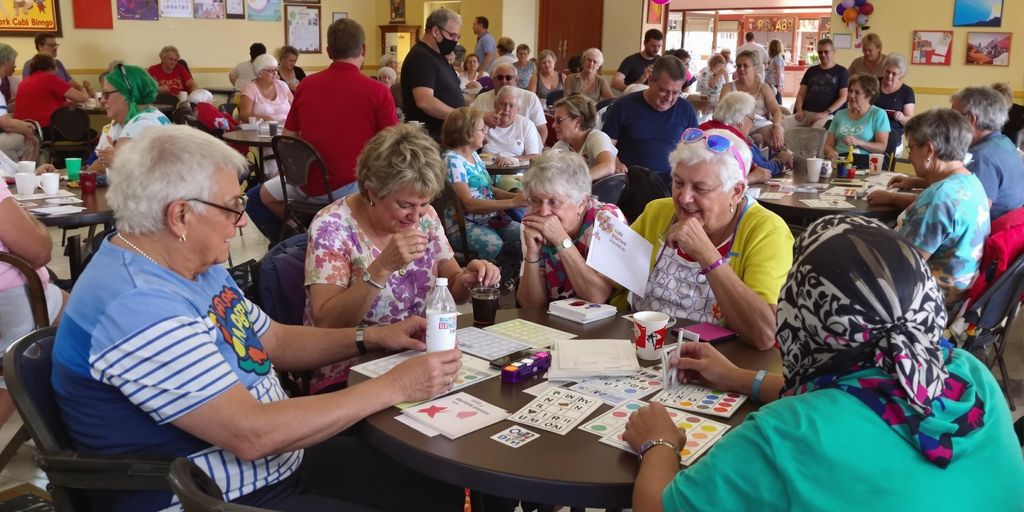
(128, 94)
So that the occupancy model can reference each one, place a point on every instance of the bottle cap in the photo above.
(441, 281)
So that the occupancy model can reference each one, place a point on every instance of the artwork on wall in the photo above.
(655, 10)
(28, 18)
(302, 28)
(175, 8)
(263, 10)
(210, 9)
(138, 10)
(235, 9)
(397, 9)
(89, 14)
(988, 48)
(978, 13)
(932, 47)
(335, 16)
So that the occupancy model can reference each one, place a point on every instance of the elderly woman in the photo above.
(547, 79)
(471, 73)
(18, 139)
(897, 99)
(43, 92)
(513, 137)
(736, 113)
(291, 74)
(712, 78)
(575, 118)
(159, 351)
(860, 128)
(589, 81)
(718, 256)
(488, 221)
(267, 98)
(866, 392)
(775, 73)
(1015, 115)
(128, 94)
(387, 76)
(557, 231)
(949, 220)
(373, 256)
(524, 66)
(388, 60)
(873, 61)
(767, 123)
(505, 47)
(170, 75)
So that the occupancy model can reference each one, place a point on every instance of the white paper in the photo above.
(842, 191)
(772, 195)
(57, 210)
(539, 389)
(579, 359)
(304, 28)
(42, 195)
(175, 8)
(826, 203)
(417, 426)
(754, 192)
(620, 253)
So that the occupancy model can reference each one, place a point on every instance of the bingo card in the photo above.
(690, 397)
(540, 336)
(487, 345)
(615, 390)
(701, 433)
(557, 410)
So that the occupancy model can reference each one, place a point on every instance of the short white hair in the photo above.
(165, 164)
(265, 61)
(387, 57)
(388, 72)
(198, 96)
(898, 61)
(558, 171)
(508, 91)
(729, 170)
(733, 108)
(593, 53)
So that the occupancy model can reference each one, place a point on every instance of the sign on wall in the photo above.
(29, 17)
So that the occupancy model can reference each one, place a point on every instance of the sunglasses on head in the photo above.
(715, 143)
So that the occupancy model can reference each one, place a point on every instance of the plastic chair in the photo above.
(609, 189)
(448, 200)
(27, 368)
(197, 492)
(297, 159)
(181, 113)
(69, 134)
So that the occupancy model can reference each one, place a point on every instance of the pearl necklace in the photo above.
(140, 251)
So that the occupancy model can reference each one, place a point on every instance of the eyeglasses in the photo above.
(752, 119)
(450, 35)
(560, 120)
(105, 95)
(242, 201)
(715, 143)
(554, 204)
(505, 78)
(124, 75)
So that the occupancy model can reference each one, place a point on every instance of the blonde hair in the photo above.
(398, 157)
(459, 126)
(580, 107)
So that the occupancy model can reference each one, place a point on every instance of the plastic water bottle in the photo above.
(441, 317)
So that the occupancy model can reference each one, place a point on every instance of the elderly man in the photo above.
(505, 75)
(822, 90)
(636, 68)
(513, 136)
(430, 86)
(646, 125)
(17, 138)
(47, 43)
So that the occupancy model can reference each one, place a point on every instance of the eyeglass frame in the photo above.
(707, 138)
(240, 213)
(448, 35)
(552, 203)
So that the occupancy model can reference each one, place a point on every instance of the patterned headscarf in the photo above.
(135, 84)
(859, 298)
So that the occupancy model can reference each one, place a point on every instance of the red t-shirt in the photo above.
(175, 80)
(337, 111)
(39, 96)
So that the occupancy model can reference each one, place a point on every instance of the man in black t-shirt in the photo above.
(822, 90)
(430, 86)
(636, 68)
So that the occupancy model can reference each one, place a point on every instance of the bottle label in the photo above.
(441, 331)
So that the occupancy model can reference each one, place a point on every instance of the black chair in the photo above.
(609, 189)
(642, 187)
(448, 200)
(554, 96)
(69, 134)
(166, 99)
(197, 492)
(991, 315)
(181, 113)
(27, 368)
(228, 108)
(296, 160)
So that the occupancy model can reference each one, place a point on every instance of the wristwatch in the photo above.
(369, 280)
(655, 442)
(567, 243)
(361, 339)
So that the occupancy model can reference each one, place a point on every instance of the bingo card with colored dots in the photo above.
(557, 410)
(615, 390)
(487, 345)
(473, 369)
(615, 419)
(690, 397)
(701, 433)
(540, 336)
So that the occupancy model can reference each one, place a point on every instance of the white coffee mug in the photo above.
(27, 166)
(875, 162)
(826, 168)
(813, 170)
(50, 183)
(26, 183)
(649, 333)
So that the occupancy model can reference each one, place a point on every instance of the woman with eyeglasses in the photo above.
(575, 118)
(719, 256)
(128, 96)
(557, 231)
(861, 127)
(589, 81)
(266, 98)
(736, 113)
(767, 124)
(488, 223)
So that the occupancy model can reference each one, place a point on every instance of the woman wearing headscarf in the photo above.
(128, 96)
(873, 412)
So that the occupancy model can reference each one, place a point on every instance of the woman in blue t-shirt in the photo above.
(861, 126)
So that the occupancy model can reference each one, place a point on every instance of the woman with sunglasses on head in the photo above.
(128, 95)
(719, 256)
(870, 410)
(575, 118)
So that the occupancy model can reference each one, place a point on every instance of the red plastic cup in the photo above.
(88, 182)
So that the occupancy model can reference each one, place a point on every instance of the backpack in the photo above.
(282, 280)
(1003, 245)
(642, 187)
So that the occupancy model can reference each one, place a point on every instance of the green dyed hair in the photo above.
(135, 84)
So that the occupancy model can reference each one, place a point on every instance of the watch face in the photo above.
(566, 243)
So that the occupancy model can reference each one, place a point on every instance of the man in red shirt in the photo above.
(337, 111)
(170, 75)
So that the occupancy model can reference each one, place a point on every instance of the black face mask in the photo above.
(446, 46)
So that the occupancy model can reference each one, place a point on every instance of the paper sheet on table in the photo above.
(42, 195)
(826, 203)
(57, 210)
(772, 195)
(578, 359)
(620, 253)
(754, 192)
(417, 426)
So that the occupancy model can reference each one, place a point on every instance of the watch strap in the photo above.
(360, 339)
(659, 442)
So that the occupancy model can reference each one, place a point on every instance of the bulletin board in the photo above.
(302, 28)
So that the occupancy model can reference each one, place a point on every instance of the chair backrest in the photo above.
(554, 96)
(806, 141)
(448, 201)
(71, 123)
(27, 369)
(282, 280)
(197, 492)
(228, 108)
(36, 293)
(180, 113)
(642, 187)
(609, 189)
(999, 300)
(1003, 246)
(297, 159)
(166, 99)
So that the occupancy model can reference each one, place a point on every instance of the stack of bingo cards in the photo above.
(701, 433)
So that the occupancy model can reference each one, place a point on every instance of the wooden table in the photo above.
(253, 139)
(498, 170)
(96, 210)
(574, 469)
(99, 110)
(795, 212)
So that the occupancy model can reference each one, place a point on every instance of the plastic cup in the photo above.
(88, 179)
(649, 330)
(485, 304)
(272, 126)
(74, 166)
(26, 183)
(813, 170)
(50, 183)
(27, 166)
(875, 163)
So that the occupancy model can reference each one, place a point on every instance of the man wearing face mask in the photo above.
(430, 86)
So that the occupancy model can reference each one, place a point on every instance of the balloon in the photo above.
(862, 19)
(662, 2)
(849, 3)
(850, 15)
(859, 3)
(840, 9)
(867, 8)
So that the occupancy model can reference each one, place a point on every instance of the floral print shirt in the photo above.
(553, 270)
(474, 174)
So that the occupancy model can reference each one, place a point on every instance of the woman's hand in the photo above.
(785, 156)
(506, 161)
(831, 154)
(879, 198)
(688, 234)
(424, 376)
(652, 422)
(903, 182)
(549, 227)
(105, 156)
(852, 141)
(480, 272)
(533, 242)
(45, 168)
(405, 335)
(778, 136)
(703, 363)
(405, 246)
(164, 89)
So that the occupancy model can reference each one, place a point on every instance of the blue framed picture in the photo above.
(978, 13)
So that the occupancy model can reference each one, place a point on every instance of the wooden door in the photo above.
(567, 27)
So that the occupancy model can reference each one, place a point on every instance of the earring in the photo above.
(732, 208)
(372, 203)
(183, 238)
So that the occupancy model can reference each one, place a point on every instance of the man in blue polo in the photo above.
(486, 46)
(647, 125)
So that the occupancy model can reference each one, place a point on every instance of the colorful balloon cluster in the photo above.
(855, 11)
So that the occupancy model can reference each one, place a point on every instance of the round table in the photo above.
(96, 210)
(498, 170)
(253, 139)
(574, 469)
(99, 110)
(793, 211)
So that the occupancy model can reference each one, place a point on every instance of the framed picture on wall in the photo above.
(932, 47)
(988, 48)
(654, 12)
(235, 9)
(30, 18)
(396, 11)
(335, 16)
(978, 13)
(302, 27)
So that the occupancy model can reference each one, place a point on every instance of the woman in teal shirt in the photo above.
(861, 125)
(870, 412)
